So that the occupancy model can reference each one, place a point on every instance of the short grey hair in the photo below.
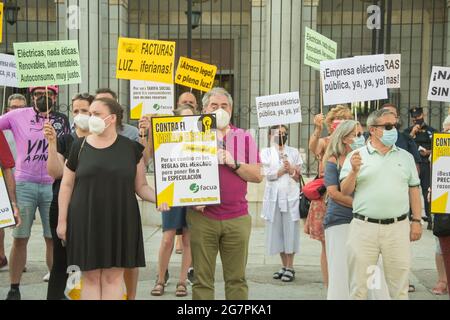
(372, 120)
(16, 96)
(446, 121)
(217, 91)
(336, 147)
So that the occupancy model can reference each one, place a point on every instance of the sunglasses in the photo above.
(387, 126)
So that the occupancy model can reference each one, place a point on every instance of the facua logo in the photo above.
(194, 188)
(156, 107)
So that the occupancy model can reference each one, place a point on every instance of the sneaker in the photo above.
(13, 294)
(3, 263)
(46, 278)
(190, 276)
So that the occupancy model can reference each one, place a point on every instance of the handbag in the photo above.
(314, 189)
(304, 203)
(441, 225)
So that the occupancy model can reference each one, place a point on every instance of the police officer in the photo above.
(422, 135)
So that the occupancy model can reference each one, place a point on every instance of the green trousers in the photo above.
(231, 239)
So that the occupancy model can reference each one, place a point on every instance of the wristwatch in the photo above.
(417, 220)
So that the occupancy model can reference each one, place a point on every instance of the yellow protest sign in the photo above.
(141, 59)
(195, 74)
(1, 22)
(440, 173)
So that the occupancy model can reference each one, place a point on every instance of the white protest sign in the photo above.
(354, 79)
(185, 158)
(278, 109)
(8, 71)
(439, 89)
(148, 97)
(318, 48)
(6, 212)
(393, 63)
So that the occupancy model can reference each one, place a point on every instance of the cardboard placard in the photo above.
(149, 97)
(8, 71)
(318, 48)
(195, 74)
(440, 174)
(6, 211)
(439, 89)
(278, 109)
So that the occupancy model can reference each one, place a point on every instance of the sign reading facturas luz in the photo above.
(47, 63)
(278, 109)
(141, 59)
(185, 159)
(439, 89)
(318, 48)
(354, 79)
(440, 173)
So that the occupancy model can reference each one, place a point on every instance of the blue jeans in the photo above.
(30, 197)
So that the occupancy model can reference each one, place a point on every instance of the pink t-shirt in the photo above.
(233, 189)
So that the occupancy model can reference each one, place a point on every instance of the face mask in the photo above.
(222, 118)
(97, 125)
(82, 121)
(419, 121)
(41, 104)
(280, 140)
(358, 142)
(389, 137)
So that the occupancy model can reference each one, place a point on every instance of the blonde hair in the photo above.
(339, 112)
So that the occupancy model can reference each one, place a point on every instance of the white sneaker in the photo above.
(46, 278)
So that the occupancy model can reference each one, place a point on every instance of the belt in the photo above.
(380, 221)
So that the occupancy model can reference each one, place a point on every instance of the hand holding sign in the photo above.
(318, 121)
(356, 162)
(49, 132)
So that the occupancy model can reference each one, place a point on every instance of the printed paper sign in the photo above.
(354, 79)
(195, 74)
(439, 89)
(6, 211)
(47, 63)
(440, 173)
(8, 71)
(141, 59)
(278, 109)
(393, 63)
(185, 159)
(150, 98)
(318, 48)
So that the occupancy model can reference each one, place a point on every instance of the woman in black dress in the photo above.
(99, 216)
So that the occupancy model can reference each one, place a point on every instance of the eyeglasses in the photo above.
(85, 95)
(387, 126)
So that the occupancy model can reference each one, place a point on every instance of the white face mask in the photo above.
(222, 118)
(97, 125)
(82, 121)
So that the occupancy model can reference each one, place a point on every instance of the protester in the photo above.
(380, 223)
(225, 228)
(347, 137)
(422, 135)
(132, 133)
(317, 145)
(34, 185)
(280, 206)
(103, 229)
(174, 223)
(6, 165)
(15, 101)
(58, 153)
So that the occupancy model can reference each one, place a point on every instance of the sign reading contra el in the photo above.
(141, 59)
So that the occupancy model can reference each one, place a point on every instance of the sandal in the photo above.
(412, 288)
(440, 288)
(277, 275)
(181, 290)
(288, 276)
(158, 289)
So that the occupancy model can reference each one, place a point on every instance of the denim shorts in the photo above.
(30, 197)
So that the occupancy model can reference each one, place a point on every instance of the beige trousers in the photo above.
(366, 241)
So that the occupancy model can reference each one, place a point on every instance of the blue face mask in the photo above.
(389, 137)
(358, 142)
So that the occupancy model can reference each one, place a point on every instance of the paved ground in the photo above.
(307, 286)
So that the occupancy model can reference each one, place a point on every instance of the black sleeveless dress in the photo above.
(104, 227)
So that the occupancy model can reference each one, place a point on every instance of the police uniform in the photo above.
(423, 139)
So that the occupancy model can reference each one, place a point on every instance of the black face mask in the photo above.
(281, 140)
(41, 104)
(419, 121)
